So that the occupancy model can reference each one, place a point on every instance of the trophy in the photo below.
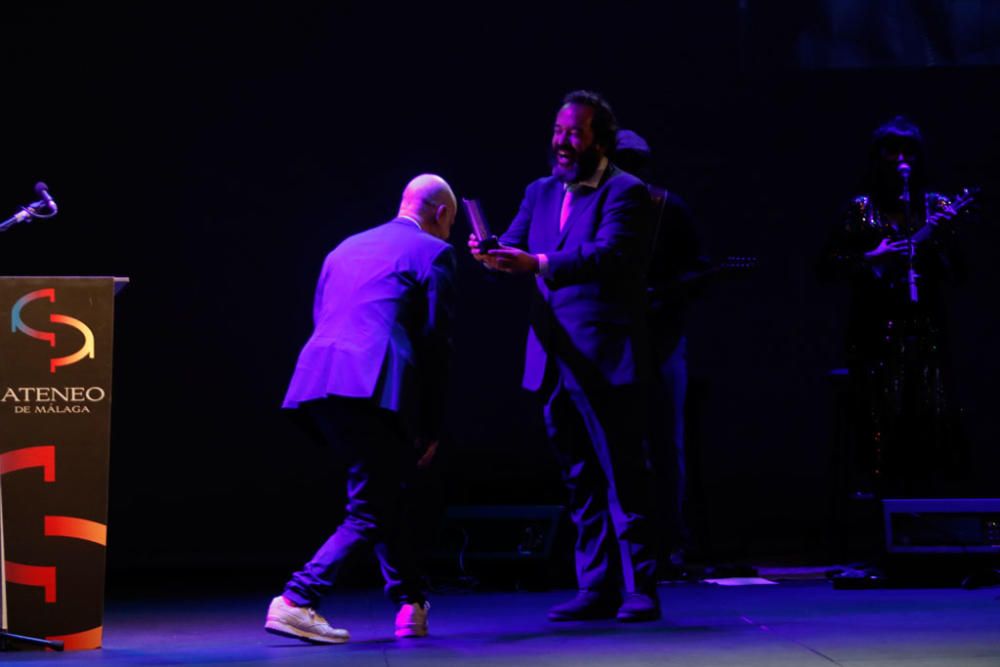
(479, 227)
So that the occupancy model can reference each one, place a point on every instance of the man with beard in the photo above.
(583, 233)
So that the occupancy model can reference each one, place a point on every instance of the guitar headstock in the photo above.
(965, 198)
(739, 263)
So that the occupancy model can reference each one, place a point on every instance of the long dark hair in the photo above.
(882, 181)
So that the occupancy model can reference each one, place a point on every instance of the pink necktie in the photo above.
(564, 213)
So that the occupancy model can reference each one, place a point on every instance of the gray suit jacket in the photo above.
(383, 311)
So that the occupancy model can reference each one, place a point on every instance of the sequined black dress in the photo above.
(905, 429)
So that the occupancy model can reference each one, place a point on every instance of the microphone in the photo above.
(911, 272)
(42, 191)
(31, 211)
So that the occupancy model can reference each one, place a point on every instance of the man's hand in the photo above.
(504, 258)
(514, 260)
(888, 247)
(485, 259)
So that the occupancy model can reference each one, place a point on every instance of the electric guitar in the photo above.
(690, 282)
(962, 201)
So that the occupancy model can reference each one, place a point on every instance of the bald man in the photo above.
(371, 379)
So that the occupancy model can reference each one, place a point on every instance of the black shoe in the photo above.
(639, 607)
(586, 606)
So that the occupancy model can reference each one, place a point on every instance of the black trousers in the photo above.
(598, 439)
(372, 444)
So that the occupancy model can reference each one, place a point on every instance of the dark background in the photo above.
(215, 155)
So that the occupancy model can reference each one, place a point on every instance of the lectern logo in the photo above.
(18, 324)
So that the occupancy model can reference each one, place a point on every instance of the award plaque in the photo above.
(480, 229)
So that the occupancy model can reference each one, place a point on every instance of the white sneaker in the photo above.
(411, 621)
(303, 623)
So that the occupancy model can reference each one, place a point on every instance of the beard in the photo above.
(580, 170)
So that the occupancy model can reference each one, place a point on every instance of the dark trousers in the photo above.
(597, 436)
(373, 447)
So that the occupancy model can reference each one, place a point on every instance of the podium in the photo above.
(56, 336)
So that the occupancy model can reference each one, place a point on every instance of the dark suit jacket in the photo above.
(589, 315)
(383, 312)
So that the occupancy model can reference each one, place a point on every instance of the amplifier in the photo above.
(942, 525)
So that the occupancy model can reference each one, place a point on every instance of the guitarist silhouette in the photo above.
(677, 273)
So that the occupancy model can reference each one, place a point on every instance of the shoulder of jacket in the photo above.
(543, 182)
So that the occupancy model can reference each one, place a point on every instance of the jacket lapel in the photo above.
(581, 204)
(579, 201)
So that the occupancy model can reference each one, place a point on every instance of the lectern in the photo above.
(56, 336)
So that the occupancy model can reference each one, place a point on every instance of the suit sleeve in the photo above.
(617, 247)
(517, 234)
(437, 343)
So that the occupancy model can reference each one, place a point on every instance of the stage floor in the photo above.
(792, 623)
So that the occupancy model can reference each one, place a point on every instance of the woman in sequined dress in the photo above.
(904, 426)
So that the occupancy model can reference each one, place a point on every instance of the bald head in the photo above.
(429, 199)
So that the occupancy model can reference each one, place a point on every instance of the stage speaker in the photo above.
(500, 532)
(942, 526)
(500, 546)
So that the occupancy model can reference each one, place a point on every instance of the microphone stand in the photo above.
(26, 213)
(7, 638)
(911, 272)
(30, 212)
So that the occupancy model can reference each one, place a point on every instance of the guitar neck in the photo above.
(961, 202)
